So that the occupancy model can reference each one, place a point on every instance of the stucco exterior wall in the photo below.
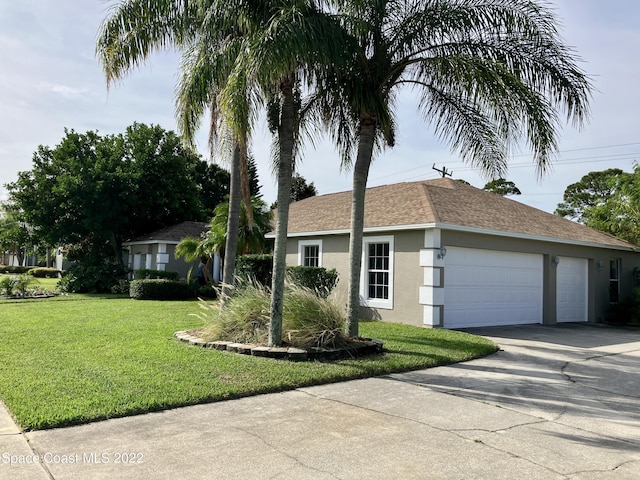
(409, 276)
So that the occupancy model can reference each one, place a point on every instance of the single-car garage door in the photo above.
(487, 287)
(571, 290)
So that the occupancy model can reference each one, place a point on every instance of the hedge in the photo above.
(259, 268)
(144, 273)
(159, 289)
(319, 279)
(44, 272)
(14, 269)
(255, 267)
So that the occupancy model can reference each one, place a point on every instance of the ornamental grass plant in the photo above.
(308, 320)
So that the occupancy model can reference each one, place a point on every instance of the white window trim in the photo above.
(365, 301)
(309, 243)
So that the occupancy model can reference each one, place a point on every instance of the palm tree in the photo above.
(289, 40)
(281, 43)
(251, 238)
(252, 232)
(486, 74)
(136, 28)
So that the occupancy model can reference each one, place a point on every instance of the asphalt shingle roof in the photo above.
(174, 233)
(442, 201)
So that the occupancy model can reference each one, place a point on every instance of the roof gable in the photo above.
(442, 202)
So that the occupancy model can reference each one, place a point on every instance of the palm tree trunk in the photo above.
(285, 170)
(360, 176)
(233, 226)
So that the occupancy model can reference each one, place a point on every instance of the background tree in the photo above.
(593, 189)
(94, 192)
(502, 187)
(300, 189)
(485, 75)
(212, 183)
(251, 238)
(14, 234)
(608, 201)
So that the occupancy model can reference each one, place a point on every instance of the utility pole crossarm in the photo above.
(443, 172)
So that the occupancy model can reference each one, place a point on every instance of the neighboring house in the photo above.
(156, 250)
(440, 253)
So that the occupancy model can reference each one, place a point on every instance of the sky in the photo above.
(50, 80)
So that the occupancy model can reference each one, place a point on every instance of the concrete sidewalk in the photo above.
(555, 403)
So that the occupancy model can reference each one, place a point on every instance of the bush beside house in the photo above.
(160, 289)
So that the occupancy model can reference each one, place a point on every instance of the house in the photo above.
(440, 253)
(156, 250)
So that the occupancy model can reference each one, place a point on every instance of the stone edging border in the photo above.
(361, 347)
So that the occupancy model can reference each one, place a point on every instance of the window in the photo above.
(614, 280)
(376, 285)
(310, 253)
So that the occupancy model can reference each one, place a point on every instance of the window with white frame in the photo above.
(376, 284)
(310, 253)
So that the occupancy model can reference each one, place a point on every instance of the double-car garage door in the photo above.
(487, 288)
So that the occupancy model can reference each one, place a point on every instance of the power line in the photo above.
(572, 161)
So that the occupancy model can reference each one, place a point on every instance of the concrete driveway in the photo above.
(555, 403)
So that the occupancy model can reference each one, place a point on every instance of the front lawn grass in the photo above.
(77, 359)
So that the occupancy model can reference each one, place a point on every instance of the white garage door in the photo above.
(571, 290)
(486, 287)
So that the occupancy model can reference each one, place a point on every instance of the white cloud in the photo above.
(65, 91)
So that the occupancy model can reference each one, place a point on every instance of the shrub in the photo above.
(14, 269)
(44, 272)
(317, 279)
(258, 268)
(159, 289)
(7, 284)
(627, 312)
(122, 287)
(143, 273)
(92, 277)
(23, 282)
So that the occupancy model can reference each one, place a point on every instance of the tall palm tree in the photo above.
(290, 39)
(136, 28)
(486, 74)
(282, 42)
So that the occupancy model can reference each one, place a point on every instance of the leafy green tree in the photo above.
(300, 189)
(608, 201)
(94, 192)
(502, 187)
(14, 234)
(212, 183)
(484, 74)
(594, 189)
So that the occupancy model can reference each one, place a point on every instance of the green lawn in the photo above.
(76, 359)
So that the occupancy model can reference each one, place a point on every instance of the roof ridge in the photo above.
(428, 198)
